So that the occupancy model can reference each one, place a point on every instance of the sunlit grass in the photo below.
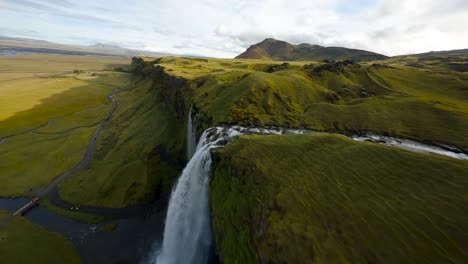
(328, 199)
(24, 242)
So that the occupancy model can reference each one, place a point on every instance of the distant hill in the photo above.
(443, 53)
(12, 46)
(105, 46)
(281, 50)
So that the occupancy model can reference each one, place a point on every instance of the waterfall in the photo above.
(187, 234)
(191, 134)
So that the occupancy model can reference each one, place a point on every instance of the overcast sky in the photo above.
(224, 28)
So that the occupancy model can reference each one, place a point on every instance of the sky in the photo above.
(226, 28)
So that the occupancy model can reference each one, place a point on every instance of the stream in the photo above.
(187, 235)
(139, 225)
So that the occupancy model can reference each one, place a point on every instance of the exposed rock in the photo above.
(337, 67)
(280, 67)
(381, 66)
(332, 97)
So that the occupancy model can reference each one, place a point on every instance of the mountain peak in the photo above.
(274, 49)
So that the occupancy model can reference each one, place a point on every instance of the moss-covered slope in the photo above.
(328, 199)
(139, 153)
(425, 105)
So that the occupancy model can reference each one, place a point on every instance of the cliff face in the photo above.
(323, 198)
(175, 90)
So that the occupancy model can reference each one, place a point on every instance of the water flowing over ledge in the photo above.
(187, 234)
(191, 134)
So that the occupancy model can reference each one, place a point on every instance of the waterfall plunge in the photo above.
(191, 134)
(187, 234)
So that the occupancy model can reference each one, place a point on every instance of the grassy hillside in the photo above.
(138, 155)
(429, 105)
(272, 49)
(328, 199)
(24, 242)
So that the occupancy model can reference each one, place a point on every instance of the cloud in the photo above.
(162, 31)
(68, 13)
(224, 29)
(63, 3)
(21, 32)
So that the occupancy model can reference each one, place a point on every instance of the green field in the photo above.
(24, 242)
(138, 156)
(428, 105)
(32, 160)
(59, 100)
(275, 199)
(73, 102)
(328, 199)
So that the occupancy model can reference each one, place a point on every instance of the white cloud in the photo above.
(225, 28)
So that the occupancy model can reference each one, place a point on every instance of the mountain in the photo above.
(460, 52)
(282, 50)
(12, 46)
(105, 46)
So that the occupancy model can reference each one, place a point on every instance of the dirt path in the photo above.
(47, 123)
(88, 153)
(51, 189)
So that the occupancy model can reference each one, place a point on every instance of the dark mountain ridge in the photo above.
(281, 50)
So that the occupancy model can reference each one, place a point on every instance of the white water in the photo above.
(187, 234)
(191, 135)
(410, 145)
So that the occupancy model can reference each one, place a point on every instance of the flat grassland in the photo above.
(48, 120)
(328, 199)
(24, 242)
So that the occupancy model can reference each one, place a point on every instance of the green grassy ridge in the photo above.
(396, 100)
(24, 242)
(138, 155)
(328, 199)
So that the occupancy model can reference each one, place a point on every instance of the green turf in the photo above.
(328, 199)
(24, 242)
(429, 105)
(138, 155)
(32, 160)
